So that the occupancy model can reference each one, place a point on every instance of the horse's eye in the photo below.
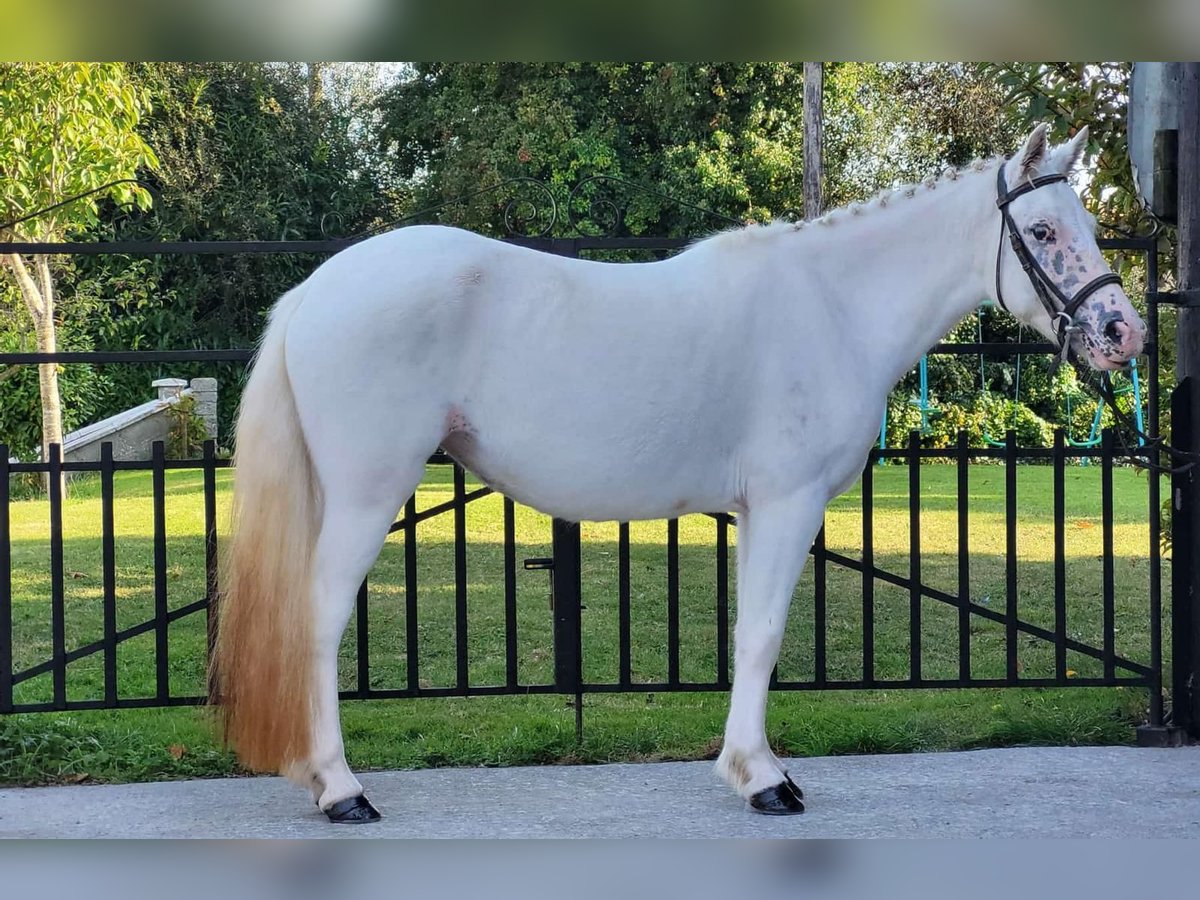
(1040, 232)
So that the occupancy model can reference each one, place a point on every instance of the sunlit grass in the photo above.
(533, 729)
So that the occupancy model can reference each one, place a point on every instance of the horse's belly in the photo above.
(584, 482)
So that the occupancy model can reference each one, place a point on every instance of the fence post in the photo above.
(1184, 513)
(6, 667)
(568, 637)
(1185, 489)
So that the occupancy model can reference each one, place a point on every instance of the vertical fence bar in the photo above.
(566, 577)
(673, 601)
(108, 565)
(623, 612)
(568, 586)
(914, 555)
(6, 635)
(820, 664)
(161, 670)
(362, 651)
(723, 600)
(211, 564)
(411, 634)
(510, 593)
(1184, 707)
(1010, 559)
(58, 628)
(1060, 558)
(1185, 622)
(1106, 510)
(460, 576)
(868, 575)
(964, 558)
(1155, 499)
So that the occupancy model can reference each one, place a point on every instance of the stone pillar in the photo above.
(169, 388)
(205, 392)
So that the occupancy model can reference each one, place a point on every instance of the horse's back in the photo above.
(587, 389)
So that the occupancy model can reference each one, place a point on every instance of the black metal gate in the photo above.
(566, 643)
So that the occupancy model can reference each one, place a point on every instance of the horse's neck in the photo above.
(916, 268)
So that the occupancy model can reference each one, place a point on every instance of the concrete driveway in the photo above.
(1025, 792)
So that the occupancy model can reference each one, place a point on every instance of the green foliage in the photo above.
(1045, 404)
(67, 128)
(1069, 96)
(719, 135)
(985, 418)
(84, 390)
(724, 136)
(244, 156)
(892, 123)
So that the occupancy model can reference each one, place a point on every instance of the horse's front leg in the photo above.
(773, 542)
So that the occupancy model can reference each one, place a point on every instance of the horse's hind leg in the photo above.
(773, 543)
(354, 526)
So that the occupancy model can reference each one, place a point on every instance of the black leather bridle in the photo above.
(1062, 309)
(1058, 305)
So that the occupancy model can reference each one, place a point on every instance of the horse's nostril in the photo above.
(1112, 331)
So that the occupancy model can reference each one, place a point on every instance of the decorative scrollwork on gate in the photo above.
(529, 209)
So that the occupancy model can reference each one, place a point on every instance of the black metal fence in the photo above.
(533, 638)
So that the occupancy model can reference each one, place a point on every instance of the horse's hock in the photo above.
(134, 431)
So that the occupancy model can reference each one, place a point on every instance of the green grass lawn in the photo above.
(134, 744)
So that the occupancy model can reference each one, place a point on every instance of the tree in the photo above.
(894, 123)
(67, 128)
(814, 120)
(242, 155)
(723, 136)
(1069, 96)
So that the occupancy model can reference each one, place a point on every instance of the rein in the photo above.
(1144, 456)
(1063, 312)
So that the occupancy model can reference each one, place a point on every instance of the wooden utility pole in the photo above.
(1185, 490)
(814, 166)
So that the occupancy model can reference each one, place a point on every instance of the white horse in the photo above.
(745, 374)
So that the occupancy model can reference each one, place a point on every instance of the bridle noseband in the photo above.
(1063, 312)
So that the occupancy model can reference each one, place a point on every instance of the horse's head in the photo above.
(1050, 273)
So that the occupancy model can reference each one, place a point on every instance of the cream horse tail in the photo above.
(263, 668)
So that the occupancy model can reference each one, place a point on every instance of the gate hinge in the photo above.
(545, 563)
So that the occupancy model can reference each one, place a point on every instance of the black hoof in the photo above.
(795, 787)
(783, 799)
(352, 811)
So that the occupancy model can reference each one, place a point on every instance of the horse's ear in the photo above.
(1066, 157)
(1031, 157)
